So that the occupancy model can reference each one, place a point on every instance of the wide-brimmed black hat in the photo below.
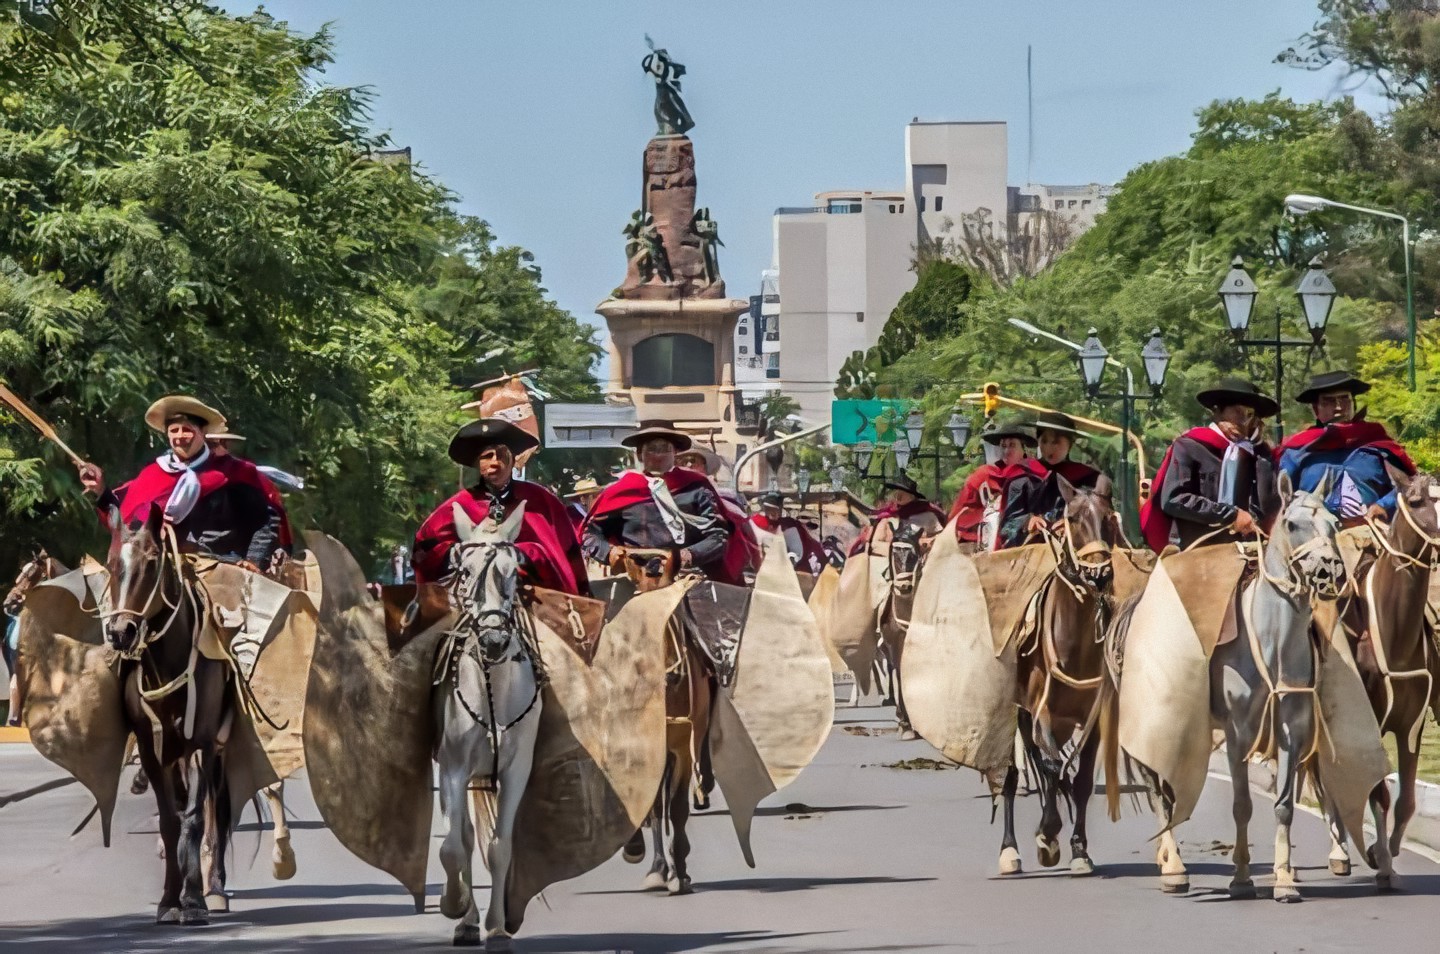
(772, 499)
(474, 437)
(1018, 429)
(1328, 381)
(1055, 421)
(1238, 391)
(903, 481)
(657, 428)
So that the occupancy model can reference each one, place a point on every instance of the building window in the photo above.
(1072, 203)
(842, 206)
(744, 350)
(1059, 203)
(939, 201)
(859, 316)
(920, 202)
(892, 207)
(1084, 203)
(673, 360)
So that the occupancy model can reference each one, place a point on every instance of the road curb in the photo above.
(14, 734)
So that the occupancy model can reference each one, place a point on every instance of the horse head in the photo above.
(136, 588)
(31, 574)
(1418, 503)
(904, 557)
(486, 579)
(1091, 531)
(1303, 545)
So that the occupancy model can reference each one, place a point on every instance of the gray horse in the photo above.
(1262, 683)
(487, 709)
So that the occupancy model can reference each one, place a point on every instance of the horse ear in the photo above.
(464, 526)
(1103, 485)
(1067, 489)
(510, 529)
(155, 520)
(114, 519)
(1286, 489)
(1398, 477)
(1322, 490)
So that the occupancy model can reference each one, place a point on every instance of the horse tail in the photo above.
(486, 805)
(1110, 704)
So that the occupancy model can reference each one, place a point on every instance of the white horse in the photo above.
(487, 712)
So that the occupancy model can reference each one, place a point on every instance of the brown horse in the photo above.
(179, 705)
(41, 567)
(689, 691)
(1391, 639)
(902, 573)
(1060, 671)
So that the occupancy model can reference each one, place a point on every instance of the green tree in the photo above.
(183, 207)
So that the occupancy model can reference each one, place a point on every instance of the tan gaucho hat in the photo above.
(172, 404)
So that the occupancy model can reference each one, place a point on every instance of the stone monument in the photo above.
(671, 312)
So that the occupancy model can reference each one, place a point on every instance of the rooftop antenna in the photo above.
(1030, 118)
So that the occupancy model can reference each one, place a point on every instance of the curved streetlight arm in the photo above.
(761, 448)
(1028, 328)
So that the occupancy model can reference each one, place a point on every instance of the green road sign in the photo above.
(877, 421)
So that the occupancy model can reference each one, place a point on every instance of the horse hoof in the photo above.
(1047, 851)
(1384, 883)
(140, 784)
(700, 802)
(1370, 857)
(655, 881)
(1081, 867)
(1242, 891)
(634, 851)
(679, 886)
(498, 942)
(217, 903)
(1287, 894)
(908, 734)
(194, 917)
(1009, 861)
(166, 914)
(467, 935)
(1175, 884)
(1340, 867)
(282, 860)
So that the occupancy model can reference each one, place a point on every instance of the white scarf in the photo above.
(1230, 465)
(187, 492)
(670, 513)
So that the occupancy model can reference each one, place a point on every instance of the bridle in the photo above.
(30, 575)
(169, 547)
(1428, 557)
(1076, 567)
(1294, 583)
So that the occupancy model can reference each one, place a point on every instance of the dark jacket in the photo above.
(1190, 492)
(640, 525)
(1032, 490)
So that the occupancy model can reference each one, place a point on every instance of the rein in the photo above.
(1429, 545)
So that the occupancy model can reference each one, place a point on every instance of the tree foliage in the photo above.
(184, 207)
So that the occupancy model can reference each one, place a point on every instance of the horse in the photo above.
(1388, 633)
(39, 568)
(1059, 674)
(179, 705)
(1263, 688)
(487, 715)
(902, 570)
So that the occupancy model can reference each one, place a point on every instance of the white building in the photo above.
(845, 261)
(757, 341)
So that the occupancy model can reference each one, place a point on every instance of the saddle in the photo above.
(650, 569)
(577, 620)
(410, 610)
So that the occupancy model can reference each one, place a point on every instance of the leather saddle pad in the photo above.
(577, 620)
(431, 602)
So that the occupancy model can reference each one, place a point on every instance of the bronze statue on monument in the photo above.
(671, 116)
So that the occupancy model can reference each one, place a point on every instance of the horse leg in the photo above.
(902, 715)
(1047, 840)
(513, 779)
(1339, 840)
(1242, 886)
(168, 911)
(217, 838)
(282, 856)
(457, 899)
(1407, 764)
(658, 876)
(192, 834)
(1081, 790)
(1287, 771)
(679, 814)
(1009, 849)
(1174, 879)
(1379, 856)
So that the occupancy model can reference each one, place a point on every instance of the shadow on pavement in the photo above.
(320, 891)
(797, 808)
(757, 942)
(773, 885)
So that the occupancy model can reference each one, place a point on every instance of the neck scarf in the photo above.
(1235, 452)
(187, 491)
(669, 510)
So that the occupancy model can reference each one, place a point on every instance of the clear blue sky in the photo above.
(536, 112)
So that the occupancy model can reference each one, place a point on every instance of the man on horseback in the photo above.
(1033, 498)
(546, 538)
(1217, 481)
(218, 505)
(805, 551)
(1343, 444)
(1014, 441)
(662, 506)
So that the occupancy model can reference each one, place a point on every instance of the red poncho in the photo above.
(969, 509)
(153, 485)
(1155, 523)
(633, 488)
(812, 550)
(546, 537)
(1346, 436)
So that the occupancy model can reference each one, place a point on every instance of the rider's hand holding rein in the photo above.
(92, 478)
(1244, 522)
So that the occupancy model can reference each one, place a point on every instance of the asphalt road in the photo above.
(854, 856)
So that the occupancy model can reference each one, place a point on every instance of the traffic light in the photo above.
(992, 398)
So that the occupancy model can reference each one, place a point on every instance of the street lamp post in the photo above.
(1317, 296)
(1092, 358)
(909, 446)
(1298, 204)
